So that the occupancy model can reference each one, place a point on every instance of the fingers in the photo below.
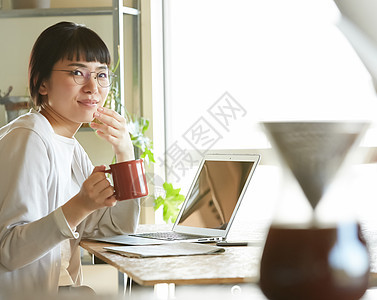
(104, 189)
(97, 188)
(101, 168)
(104, 111)
(112, 122)
(113, 129)
(105, 193)
(98, 174)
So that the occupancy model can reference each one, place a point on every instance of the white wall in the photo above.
(100, 152)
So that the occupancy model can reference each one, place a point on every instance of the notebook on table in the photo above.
(211, 203)
(172, 249)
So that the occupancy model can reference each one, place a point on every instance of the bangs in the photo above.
(85, 45)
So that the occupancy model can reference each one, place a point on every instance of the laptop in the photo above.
(211, 203)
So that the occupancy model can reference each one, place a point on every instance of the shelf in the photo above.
(54, 12)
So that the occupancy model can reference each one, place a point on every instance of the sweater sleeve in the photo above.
(30, 225)
(121, 219)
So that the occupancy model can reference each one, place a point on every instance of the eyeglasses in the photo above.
(82, 76)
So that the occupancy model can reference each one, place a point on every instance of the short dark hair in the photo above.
(64, 40)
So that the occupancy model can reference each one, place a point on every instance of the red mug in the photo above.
(129, 179)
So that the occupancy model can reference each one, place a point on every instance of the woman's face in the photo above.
(72, 101)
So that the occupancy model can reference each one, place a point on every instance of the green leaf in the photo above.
(158, 202)
(170, 203)
(148, 155)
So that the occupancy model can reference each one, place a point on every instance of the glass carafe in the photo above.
(313, 250)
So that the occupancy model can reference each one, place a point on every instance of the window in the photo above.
(231, 64)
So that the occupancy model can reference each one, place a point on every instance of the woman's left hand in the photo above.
(114, 130)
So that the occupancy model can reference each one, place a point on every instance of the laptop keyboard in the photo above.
(167, 235)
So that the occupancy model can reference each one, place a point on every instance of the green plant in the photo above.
(137, 127)
(170, 202)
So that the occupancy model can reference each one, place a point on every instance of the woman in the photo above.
(50, 195)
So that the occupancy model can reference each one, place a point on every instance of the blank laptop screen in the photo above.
(215, 194)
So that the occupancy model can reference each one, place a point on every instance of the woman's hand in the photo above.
(114, 130)
(96, 192)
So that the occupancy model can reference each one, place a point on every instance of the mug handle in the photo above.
(107, 171)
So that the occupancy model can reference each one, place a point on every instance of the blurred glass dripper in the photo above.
(314, 151)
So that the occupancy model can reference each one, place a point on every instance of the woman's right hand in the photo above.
(96, 192)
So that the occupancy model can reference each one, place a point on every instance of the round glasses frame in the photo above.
(82, 76)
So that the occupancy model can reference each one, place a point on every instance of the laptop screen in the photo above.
(215, 193)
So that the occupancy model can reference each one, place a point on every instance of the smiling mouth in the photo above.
(90, 103)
